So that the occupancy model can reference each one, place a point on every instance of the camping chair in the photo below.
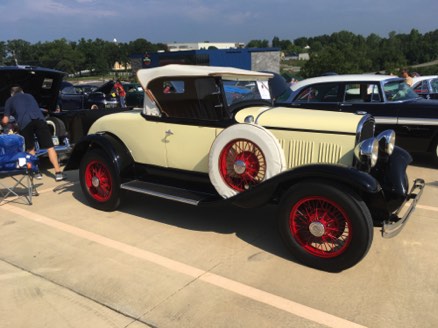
(16, 170)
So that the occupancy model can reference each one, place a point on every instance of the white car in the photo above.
(426, 86)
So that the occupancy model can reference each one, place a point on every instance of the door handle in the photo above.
(169, 132)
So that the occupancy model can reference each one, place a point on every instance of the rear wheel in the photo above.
(99, 181)
(326, 227)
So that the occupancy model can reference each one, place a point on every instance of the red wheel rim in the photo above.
(242, 164)
(98, 181)
(320, 226)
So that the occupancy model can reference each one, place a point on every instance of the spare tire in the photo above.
(242, 156)
(56, 126)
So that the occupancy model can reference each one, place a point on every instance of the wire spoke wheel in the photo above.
(242, 164)
(98, 181)
(320, 226)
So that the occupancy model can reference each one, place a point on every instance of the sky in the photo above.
(169, 21)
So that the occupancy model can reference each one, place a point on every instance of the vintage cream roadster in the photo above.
(210, 135)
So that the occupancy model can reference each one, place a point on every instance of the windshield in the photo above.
(240, 91)
(398, 90)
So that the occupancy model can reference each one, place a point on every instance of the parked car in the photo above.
(389, 99)
(43, 84)
(134, 94)
(426, 86)
(330, 177)
(74, 96)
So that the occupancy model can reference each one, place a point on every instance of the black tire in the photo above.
(56, 126)
(325, 226)
(99, 181)
(434, 151)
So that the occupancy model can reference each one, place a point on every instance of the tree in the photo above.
(2, 53)
(59, 54)
(19, 52)
(258, 44)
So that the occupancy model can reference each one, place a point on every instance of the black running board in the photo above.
(167, 192)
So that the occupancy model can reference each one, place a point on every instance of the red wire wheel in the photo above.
(320, 226)
(98, 181)
(242, 164)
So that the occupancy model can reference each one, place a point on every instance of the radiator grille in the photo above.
(299, 152)
(329, 153)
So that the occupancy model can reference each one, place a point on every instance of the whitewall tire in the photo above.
(242, 156)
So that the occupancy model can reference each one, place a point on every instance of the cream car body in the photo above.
(209, 136)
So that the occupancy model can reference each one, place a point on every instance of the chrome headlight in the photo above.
(387, 141)
(367, 152)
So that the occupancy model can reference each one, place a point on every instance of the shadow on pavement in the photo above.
(257, 227)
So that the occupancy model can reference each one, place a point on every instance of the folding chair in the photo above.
(16, 170)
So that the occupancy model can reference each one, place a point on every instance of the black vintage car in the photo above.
(389, 99)
(43, 84)
(73, 98)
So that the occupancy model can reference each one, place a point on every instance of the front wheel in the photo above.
(326, 227)
(99, 181)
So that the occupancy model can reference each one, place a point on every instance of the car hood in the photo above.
(43, 83)
(301, 119)
(105, 88)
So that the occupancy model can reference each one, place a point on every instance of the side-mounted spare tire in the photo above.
(243, 156)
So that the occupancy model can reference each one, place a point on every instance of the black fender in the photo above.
(272, 189)
(115, 149)
(391, 174)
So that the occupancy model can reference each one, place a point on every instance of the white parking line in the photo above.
(425, 207)
(255, 294)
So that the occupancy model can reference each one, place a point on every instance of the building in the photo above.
(256, 59)
(203, 46)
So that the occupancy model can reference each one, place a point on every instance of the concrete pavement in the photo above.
(154, 263)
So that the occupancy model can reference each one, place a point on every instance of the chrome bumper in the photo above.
(393, 226)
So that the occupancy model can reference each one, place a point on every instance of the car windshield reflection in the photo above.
(241, 91)
(399, 90)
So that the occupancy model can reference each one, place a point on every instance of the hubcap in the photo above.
(320, 226)
(317, 229)
(242, 164)
(95, 181)
(239, 167)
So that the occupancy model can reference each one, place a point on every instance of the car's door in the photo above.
(418, 123)
(192, 114)
(368, 97)
(70, 99)
(188, 146)
(402, 116)
(324, 96)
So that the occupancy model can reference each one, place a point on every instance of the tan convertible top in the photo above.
(147, 75)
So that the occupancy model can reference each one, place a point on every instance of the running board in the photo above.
(166, 192)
